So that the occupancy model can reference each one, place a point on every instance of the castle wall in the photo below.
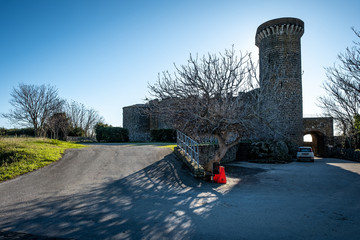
(323, 125)
(137, 121)
(279, 43)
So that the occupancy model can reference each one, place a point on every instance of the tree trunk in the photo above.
(219, 154)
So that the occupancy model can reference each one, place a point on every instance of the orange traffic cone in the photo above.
(221, 177)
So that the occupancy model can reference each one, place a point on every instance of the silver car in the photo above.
(305, 153)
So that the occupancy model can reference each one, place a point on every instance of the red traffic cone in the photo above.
(221, 177)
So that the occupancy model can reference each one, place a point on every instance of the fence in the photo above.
(349, 154)
(188, 146)
(80, 139)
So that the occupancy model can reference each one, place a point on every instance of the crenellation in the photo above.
(265, 30)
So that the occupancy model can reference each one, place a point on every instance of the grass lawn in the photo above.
(22, 155)
(171, 146)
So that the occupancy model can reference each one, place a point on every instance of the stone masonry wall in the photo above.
(323, 125)
(137, 122)
(280, 69)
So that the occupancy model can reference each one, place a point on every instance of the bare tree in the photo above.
(92, 118)
(76, 112)
(82, 117)
(33, 105)
(342, 99)
(59, 125)
(215, 95)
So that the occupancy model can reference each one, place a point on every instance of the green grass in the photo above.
(171, 146)
(22, 155)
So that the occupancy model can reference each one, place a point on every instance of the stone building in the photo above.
(279, 43)
(137, 121)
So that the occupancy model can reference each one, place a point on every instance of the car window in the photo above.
(305, 150)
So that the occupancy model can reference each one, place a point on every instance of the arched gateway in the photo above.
(322, 133)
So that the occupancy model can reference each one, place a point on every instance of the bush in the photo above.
(2, 131)
(270, 151)
(18, 132)
(106, 133)
(76, 132)
(163, 135)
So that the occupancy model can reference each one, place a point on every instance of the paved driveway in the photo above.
(134, 192)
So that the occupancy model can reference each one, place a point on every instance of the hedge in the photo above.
(163, 135)
(18, 132)
(106, 133)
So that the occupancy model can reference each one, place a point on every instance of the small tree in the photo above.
(2, 131)
(59, 125)
(33, 105)
(82, 119)
(211, 96)
(99, 130)
(342, 99)
(77, 132)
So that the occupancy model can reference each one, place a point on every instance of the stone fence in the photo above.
(80, 139)
(345, 153)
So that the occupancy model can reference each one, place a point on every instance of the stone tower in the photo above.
(279, 46)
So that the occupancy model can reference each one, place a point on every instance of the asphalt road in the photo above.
(143, 192)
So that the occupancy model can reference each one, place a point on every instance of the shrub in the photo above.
(108, 133)
(163, 135)
(270, 151)
(18, 132)
(76, 132)
(2, 131)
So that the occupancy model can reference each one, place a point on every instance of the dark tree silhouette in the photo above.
(342, 99)
(33, 105)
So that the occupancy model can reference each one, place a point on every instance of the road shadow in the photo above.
(160, 201)
(163, 201)
(243, 174)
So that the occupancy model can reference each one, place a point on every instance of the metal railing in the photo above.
(189, 146)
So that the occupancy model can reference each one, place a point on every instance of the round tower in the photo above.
(279, 46)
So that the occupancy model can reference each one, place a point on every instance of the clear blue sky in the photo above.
(103, 53)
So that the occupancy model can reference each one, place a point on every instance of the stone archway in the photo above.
(322, 133)
(317, 144)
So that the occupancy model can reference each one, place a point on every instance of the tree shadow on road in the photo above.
(164, 201)
(160, 201)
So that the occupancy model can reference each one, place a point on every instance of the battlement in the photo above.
(279, 26)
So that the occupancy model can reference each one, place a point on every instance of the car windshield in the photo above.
(304, 149)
